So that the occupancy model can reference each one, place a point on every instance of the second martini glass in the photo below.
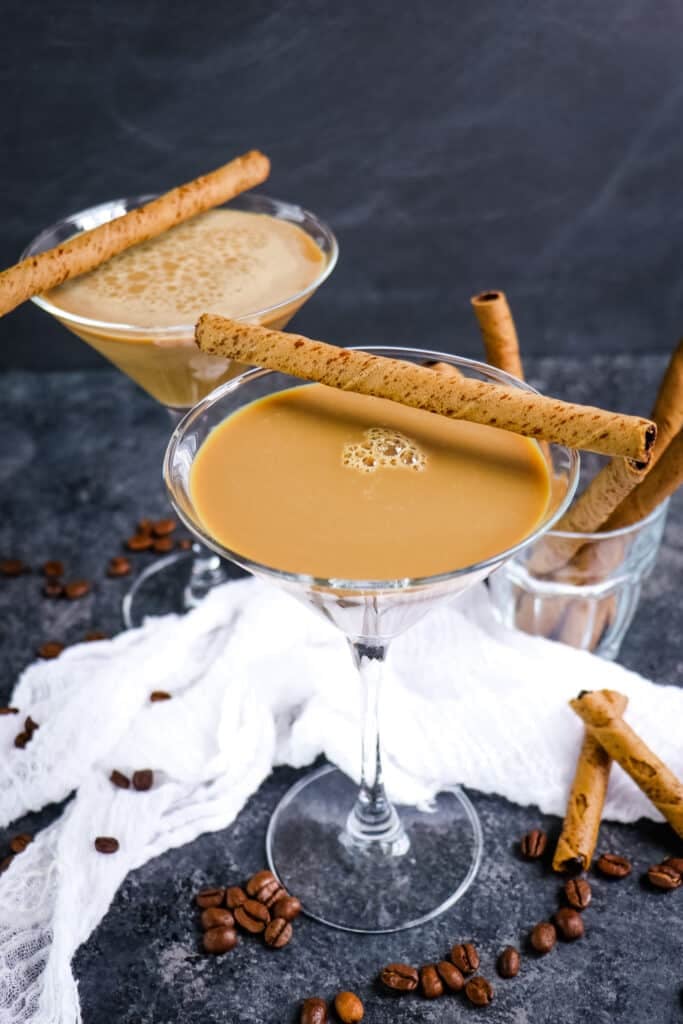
(167, 364)
(355, 861)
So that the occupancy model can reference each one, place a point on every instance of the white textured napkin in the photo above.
(257, 680)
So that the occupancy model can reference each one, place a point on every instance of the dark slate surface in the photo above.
(452, 146)
(80, 463)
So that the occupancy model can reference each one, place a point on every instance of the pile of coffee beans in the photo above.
(262, 907)
(152, 535)
(17, 845)
(348, 1009)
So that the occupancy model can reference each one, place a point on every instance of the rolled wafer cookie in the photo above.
(508, 408)
(600, 712)
(498, 331)
(89, 249)
(579, 835)
(668, 409)
(659, 484)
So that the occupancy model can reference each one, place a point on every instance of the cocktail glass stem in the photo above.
(205, 573)
(373, 826)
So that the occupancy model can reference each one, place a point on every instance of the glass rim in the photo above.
(362, 586)
(185, 330)
(622, 531)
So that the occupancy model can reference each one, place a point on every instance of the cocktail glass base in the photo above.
(373, 890)
(175, 583)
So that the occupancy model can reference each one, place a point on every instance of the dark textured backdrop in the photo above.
(453, 146)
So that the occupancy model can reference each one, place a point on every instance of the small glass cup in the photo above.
(589, 602)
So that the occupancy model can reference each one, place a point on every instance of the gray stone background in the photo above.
(452, 146)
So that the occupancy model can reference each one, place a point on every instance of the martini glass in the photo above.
(355, 861)
(166, 363)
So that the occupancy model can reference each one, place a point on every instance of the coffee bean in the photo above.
(119, 779)
(52, 589)
(479, 991)
(533, 844)
(144, 526)
(19, 843)
(431, 985)
(216, 917)
(269, 892)
(9, 711)
(465, 957)
(210, 897)
(50, 649)
(676, 863)
(185, 544)
(509, 962)
(613, 866)
(543, 937)
(163, 545)
(118, 566)
(288, 907)
(578, 893)
(399, 977)
(143, 779)
(162, 527)
(30, 726)
(252, 916)
(139, 542)
(94, 635)
(53, 569)
(314, 1011)
(219, 940)
(569, 924)
(21, 739)
(159, 695)
(664, 876)
(12, 567)
(6, 862)
(77, 589)
(349, 1008)
(106, 844)
(450, 976)
(235, 897)
(278, 933)
(257, 880)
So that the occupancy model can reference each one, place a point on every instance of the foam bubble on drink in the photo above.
(384, 448)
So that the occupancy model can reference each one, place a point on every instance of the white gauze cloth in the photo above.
(259, 680)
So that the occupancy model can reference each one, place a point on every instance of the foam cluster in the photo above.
(383, 448)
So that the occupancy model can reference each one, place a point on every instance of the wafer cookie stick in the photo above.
(668, 410)
(84, 252)
(498, 331)
(601, 714)
(520, 411)
(659, 484)
(581, 825)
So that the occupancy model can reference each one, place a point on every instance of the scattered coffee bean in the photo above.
(216, 917)
(613, 866)
(162, 527)
(185, 544)
(278, 933)
(139, 542)
(578, 893)
(106, 844)
(270, 891)
(314, 1011)
(219, 940)
(210, 898)
(676, 863)
(287, 907)
(19, 843)
(664, 876)
(479, 991)
(53, 569)
(144, 526)
(12, 567)
(53, 589)
(431, 985)
(450, 976)
(30, 726)
(77, 589)
(5, 862)
(159, 695)
(533, 844)
(93, 635)
(509, 962)
(399, 978)
(143, 779)
(9, 711)
(119, 779)
(569, 924)
(252, 916)
(163, 545)
(465, 957)
(118, 566)
(235, 897)
(21, 739)
(257, 880)
(543, 937)
(50, 649)
(349, 1008)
